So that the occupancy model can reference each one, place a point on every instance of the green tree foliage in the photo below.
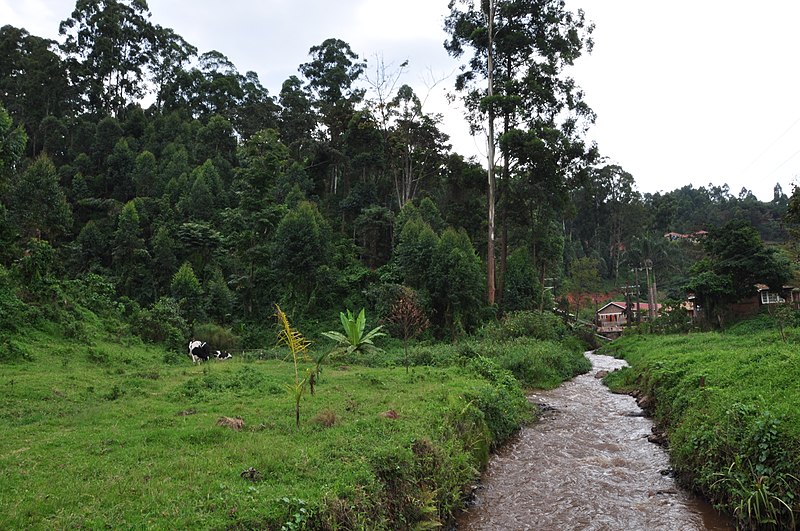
(520, 50)
(296, 122)
(186, 289)
(415, 253)
(584, 280)
(109, 46)
(301, 246)
(688, 209)
(36, 269)
(332, 73)
(130, 258)
(12, 146)
(417, 147)
(38, 204)
(33, 83)
(162, 322)
(119, 171)
(457, 284)
(522, 290)
(164, 254)
(145, 175)
(221, 300)
(737, 261)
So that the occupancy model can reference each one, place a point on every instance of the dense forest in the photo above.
(338, 190)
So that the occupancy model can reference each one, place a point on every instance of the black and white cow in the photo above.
(199, 351)
(222, 355)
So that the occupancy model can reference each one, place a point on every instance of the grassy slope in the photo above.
(93, 437)
(735, 436)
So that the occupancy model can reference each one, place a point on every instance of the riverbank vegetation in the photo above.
(105, 430)
(730, 405)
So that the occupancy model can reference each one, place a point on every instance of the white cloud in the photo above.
(35, 16)
(393, 20)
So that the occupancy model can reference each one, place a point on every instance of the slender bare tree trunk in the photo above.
(490, 258)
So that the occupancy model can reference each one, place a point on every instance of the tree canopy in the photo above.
(219, 198)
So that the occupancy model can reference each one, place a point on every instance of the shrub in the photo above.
(218, 337)
(544, 326)
(162, 323)
(10, 352)
(12, 310)
(503, 403)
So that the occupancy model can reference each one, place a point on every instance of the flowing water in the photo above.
(586, 465)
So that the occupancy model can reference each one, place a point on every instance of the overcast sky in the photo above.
(686, 91)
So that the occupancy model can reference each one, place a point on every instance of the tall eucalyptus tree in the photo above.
(110, 45)
(520, 49)
(332, 74)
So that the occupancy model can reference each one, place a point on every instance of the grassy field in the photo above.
(730, 403)
(115, 433)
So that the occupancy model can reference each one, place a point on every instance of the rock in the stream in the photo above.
(658, 436)
(645, 402)
(601, 374)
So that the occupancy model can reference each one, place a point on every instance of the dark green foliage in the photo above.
(301, 247)
(108, 41)
(12, 146)
(415, 252)
(186, 290)
(737, 261)
(38, 205)
(521, 287)
(456, 284)
(544, 326)
(13, 312)
(35, 269)
(218, 337)
(220, 303)
(503, 404)
(162, 322)
(10, 352)
(688, 209)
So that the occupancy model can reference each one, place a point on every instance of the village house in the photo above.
(763, 298)
(613, 317)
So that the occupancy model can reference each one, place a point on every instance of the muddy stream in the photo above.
(586, 465)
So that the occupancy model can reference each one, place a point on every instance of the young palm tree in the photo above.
(298, 345)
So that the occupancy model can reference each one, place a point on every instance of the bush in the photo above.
(162, 323)
(503, 403)
(216, 336)
(10, 352)
(544, 326)
(92, 291)
(534, 363)
(12, 310)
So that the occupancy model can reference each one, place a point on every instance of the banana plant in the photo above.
(298, 346)
(354, 338)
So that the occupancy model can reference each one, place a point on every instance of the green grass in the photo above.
(731, 405)
(115, 433)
